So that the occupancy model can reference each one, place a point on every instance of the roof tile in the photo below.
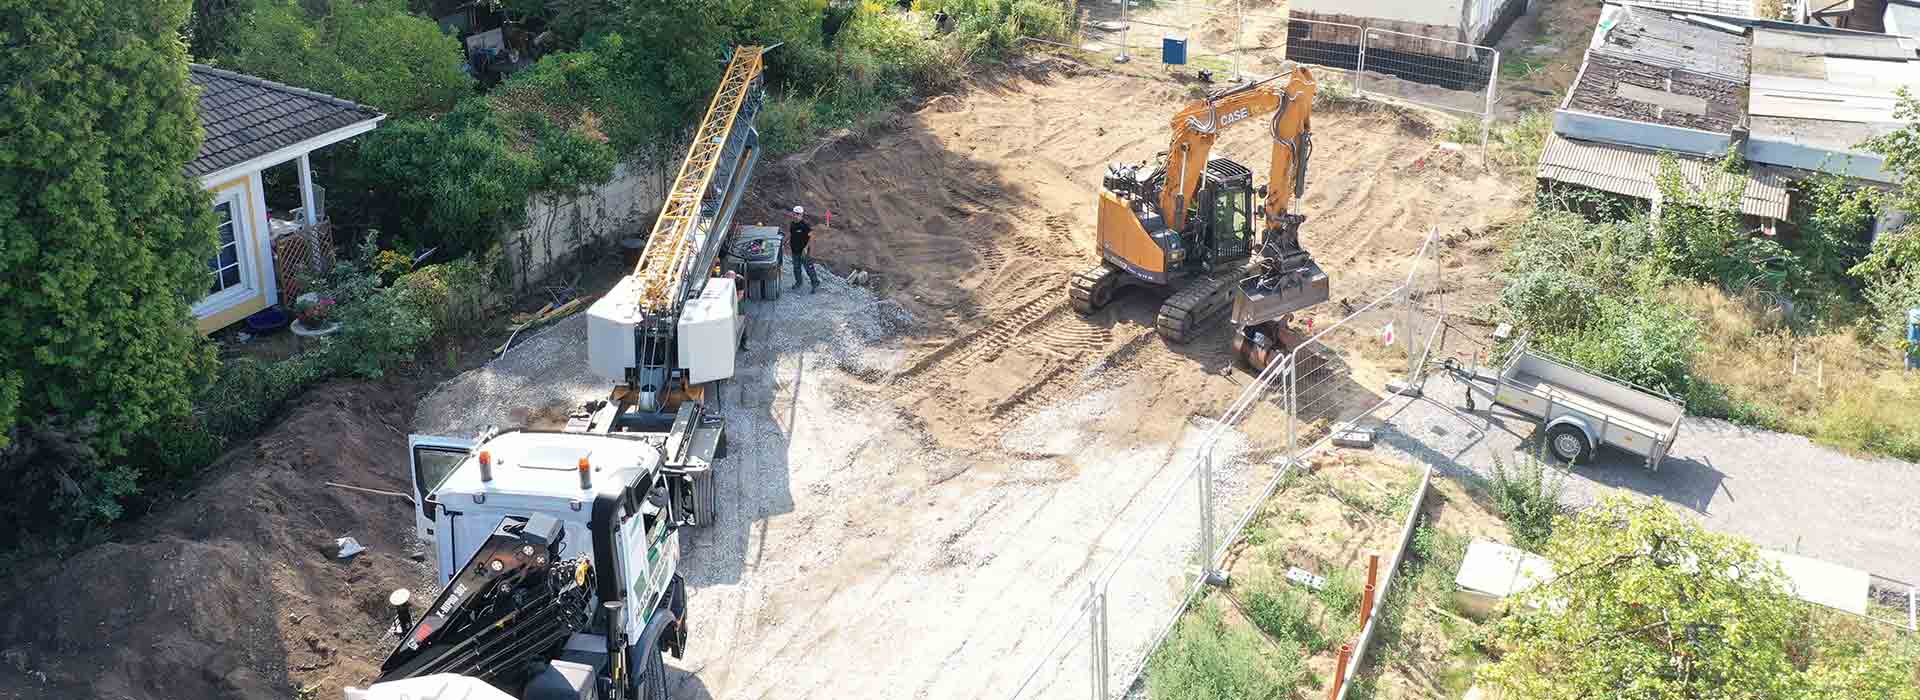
(247, 117)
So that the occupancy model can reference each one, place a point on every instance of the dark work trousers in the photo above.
(802, 262)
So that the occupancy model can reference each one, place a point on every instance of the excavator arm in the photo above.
(1196, 127)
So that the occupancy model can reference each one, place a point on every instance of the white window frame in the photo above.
(242, 226)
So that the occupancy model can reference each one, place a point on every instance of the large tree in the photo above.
(370, 51)
(1646, 604)
(103, 239)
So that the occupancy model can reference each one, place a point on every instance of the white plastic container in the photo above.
(709, 332)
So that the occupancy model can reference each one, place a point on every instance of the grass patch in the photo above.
(1823, 384)
(1516, 144)
(1207, 658)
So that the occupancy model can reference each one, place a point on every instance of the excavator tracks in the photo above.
(1201, 299)
(1092, 289)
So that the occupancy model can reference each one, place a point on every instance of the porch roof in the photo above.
(247, 117)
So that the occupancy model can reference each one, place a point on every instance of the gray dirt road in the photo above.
(1779, 490)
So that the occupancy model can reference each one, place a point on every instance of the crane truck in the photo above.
(1185, 224)
(557, 552)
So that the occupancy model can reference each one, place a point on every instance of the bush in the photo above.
(989, 29)
(251, 392)
(1527, 496)
(1644, 341)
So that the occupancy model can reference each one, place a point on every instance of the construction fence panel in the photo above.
(1447, 75)
(1332, 48)
(1066, 666)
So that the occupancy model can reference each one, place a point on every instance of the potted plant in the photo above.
(313, 315)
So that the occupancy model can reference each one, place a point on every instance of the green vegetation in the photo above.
(1208, 659)
(386, 320)
(370, 51)
(1647, 604)
(103, 244)
(1527, 496)
(1800, 332)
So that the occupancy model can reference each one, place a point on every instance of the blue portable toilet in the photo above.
(1173, 50)
(1913, 338)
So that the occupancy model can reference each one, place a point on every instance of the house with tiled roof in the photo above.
(252, 126)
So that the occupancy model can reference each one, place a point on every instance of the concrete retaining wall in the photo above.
(563, 231)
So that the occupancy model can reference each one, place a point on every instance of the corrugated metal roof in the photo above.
(1732, 8)
(1825, 100)
(1631, 172)
(1658, 38)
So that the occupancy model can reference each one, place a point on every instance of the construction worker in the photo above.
(798, 232)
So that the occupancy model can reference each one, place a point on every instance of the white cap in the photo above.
(797, 209)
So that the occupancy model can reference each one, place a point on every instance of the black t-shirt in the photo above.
(797, 234)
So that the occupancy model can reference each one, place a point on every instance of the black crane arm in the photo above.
(510, 606)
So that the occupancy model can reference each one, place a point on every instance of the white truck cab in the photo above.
(557, 546)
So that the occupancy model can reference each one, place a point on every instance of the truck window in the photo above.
(432, 466)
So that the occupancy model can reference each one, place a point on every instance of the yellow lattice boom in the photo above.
(672, 246)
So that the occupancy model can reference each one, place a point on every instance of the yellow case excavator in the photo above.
(1186, 223)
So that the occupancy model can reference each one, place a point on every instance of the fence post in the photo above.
(1293, 406)
(1097, 627)
(1486, 115)
(1212, 576)
(1126, 25)
(1360, 65)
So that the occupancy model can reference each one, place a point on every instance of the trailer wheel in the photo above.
(1569, 443)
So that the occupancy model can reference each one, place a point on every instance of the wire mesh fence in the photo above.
(1168, 545)
(1233, 43)
(1448, 75)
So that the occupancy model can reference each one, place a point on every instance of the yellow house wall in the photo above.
(256, 246)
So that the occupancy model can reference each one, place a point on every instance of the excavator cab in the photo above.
(1221, 222)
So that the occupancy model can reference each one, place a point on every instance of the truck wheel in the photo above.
(655, 678)
(1569, 443)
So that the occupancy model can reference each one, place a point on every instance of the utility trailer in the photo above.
(1579, 409)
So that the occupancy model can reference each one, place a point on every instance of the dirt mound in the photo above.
(945, 103)
(235, 592)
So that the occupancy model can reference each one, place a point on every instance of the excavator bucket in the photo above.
(1263, 298)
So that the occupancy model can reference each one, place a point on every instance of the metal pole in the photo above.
(1360, 64)
(1406, 297)
(1486, 115)
(1097, 609)
(1126, 26)
(1292, 403)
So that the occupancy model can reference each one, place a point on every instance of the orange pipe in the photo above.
(1366, 599)
(1339, 671)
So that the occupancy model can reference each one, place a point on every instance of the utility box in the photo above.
(1491, 572)
(1173, 50)
(710, 332)
(610, 324)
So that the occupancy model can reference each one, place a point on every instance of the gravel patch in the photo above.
(1780, 490)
